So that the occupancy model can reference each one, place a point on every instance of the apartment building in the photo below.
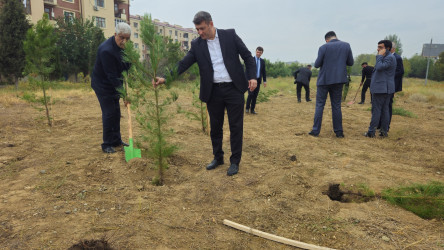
(106, 13)
(175, 32)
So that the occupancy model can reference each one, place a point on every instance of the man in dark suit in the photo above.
(333, 58)
(260, 73)
(382, 87)
(399, 73)
(367, 72)
(106, 79)
(302, 78)
(223, 83)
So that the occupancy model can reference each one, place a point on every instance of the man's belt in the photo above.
(223, 84)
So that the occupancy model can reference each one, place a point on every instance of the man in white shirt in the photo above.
(222, 83)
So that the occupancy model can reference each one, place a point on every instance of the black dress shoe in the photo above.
(313, 134)
(108, 150)
(121, 144)
(233, 169)
(253, 112)
(369, 134)
(360, 102)
(299, 100)
(340, 135)
(214, 164)
(309, 100)
(247, 111)
(383, 134)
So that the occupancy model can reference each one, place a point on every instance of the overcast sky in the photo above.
(293, 30)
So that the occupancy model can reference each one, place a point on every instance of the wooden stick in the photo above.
(273, 237)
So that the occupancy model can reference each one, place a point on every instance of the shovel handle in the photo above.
(128, 107)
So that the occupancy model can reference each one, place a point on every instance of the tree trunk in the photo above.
(46, 107)
(16, 82)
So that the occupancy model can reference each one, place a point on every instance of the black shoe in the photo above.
(121, 144)
(108, 150)
(340, 135)
(299, 100)
(234, 168)
(313, 134)
(383, 134)
(309, 100)
(369, 134)
(214, 164)
(247, 111)
(253, 112)
(360, 102)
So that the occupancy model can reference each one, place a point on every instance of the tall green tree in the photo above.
(13, 28)
(397, 40)
(77, 44)
(40, 49)
(418, 66)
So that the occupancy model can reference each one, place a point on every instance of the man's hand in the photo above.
(361, 84)
(158, 81)
(265, 84)
(252, 84)
(381, 52)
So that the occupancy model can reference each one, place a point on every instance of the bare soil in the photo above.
(58, 188)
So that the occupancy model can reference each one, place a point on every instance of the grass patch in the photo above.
(424, 200)
(403, 112)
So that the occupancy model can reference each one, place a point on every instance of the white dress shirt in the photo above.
(220, 72)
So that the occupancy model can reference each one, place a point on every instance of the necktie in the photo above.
(258, 71)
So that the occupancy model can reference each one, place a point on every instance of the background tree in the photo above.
(40, 49)
(397, 40)
(418, 66)
(77, 44)
(356, 69)
(13, 28)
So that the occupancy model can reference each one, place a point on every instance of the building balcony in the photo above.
(50, 2)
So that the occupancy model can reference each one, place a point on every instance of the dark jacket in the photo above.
(107, 73)
(302, 75)
(367, 72)
(232, 47)
(262, 71)
(383, 78)
(333, 58)
(399, 73)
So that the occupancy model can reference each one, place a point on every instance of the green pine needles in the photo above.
(40, 50)
(151, 103)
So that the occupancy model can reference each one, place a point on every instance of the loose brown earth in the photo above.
(58, 188)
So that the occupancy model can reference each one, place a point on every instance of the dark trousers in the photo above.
(335, 91)
(390, 112)
(252, 97)
(110, 120)
(365, 86)
(380, 112)
(299, 86)
(231, 99)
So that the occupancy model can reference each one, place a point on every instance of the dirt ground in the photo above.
(57, 187)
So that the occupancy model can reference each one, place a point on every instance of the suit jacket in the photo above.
(383, 78)
(333, 58)
(399, 73)
(302, 75)
(262, 71)
(232, 47)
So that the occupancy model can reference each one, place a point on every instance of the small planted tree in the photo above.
(201, 114)
(150, 103)
(40, 48)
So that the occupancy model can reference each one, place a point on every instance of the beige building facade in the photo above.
(177, 33)
(106, 13)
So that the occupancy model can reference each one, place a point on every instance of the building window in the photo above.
(160, 31)
(136, 25)
(143, 46)
(49, 12)
(100, 3)
(117, 21)
(100, 22)
(136, 35)
(136, 45)
(171, 33)
(68, 16)
(175, 33)
(71, 1)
